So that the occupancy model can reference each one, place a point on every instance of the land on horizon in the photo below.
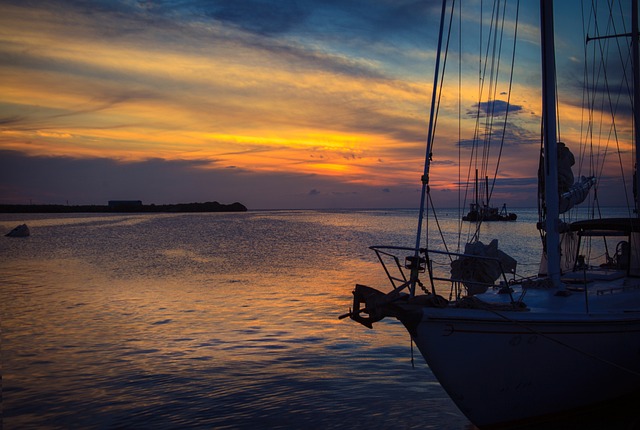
(117, 206)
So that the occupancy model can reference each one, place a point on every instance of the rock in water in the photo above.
(20, 231)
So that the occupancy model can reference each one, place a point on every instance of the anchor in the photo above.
(373, 301)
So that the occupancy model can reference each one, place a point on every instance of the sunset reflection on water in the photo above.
(207, 320)
(211, 320)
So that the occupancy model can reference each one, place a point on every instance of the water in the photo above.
(213, 321)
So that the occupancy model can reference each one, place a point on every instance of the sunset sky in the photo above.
(275, 104)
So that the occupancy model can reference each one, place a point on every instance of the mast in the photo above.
(552, 223)
(486, 189)
(427, 160)
(477, 192)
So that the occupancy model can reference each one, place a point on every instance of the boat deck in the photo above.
(588, 292)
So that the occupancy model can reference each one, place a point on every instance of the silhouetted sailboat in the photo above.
(507, 348)
(479, 212)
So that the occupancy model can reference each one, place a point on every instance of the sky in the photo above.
(277, 104)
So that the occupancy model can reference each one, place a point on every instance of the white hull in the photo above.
(505, 361)
(501, 370)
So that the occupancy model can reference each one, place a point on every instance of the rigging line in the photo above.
(498, 24)
(494, 98)
(613, 130)
(598, 159)
(592, 98)
(444, 67)
(435, 100)
(460, 222)
(587, 115)
(559, 139)
(625, 80)
(475, 158)
(427, 158)
(493, 88)
(482, 66)
(584, 133)
(629, 60)
(595, 155)
(480, 86)
(610, 29)
(473, 141)
(542, 209)
(612, 24)
(506, 114)
(613, 109)
(491, 47)
(483, 132)
(440, 230)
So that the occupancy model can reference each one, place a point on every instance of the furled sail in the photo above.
(478, 273)
(576, 193)
(566, 160)
(570, 193)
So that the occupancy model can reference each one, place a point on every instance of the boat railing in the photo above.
(399, 270)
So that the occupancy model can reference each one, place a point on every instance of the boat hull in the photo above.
(501, 369)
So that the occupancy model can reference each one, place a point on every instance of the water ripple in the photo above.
(206, 321)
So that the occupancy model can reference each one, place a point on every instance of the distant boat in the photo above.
(20, 231)
(483, 212)
(510, 349)
(486, 213)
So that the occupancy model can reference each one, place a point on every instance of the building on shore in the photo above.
(125, 205)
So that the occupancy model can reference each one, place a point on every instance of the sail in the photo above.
(576, 193)
(566, 160)
(478, 273)
(570, 193)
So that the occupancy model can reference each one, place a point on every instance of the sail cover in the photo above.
(576, 193)
(478, 273)
(566, 160)
(570, 193)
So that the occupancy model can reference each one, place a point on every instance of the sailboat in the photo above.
(510, 349)
(479, 212)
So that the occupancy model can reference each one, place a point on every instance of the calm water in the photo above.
(213, 321)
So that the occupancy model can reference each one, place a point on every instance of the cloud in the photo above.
(233, 75)
(264, 17)
(11, 120)
(61, 180)
(257, 100)
(494, 108)
(511, 135)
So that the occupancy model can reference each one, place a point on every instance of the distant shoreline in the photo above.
(124, 208)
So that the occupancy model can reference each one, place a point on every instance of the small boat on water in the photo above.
(20, 231)
(480, 212)
(508, 348)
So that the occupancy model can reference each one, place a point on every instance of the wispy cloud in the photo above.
(328, 94)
